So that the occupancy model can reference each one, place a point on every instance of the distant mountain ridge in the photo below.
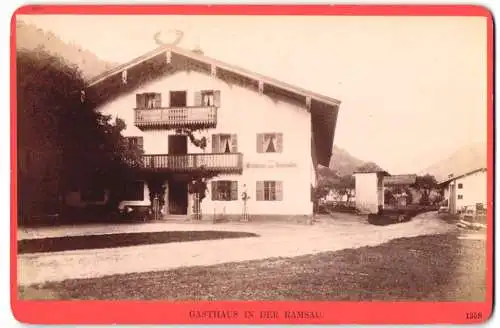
(463, 160)
(30, 37)
(344, 163)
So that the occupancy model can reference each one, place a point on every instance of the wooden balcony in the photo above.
(199, 117)
(218, 162)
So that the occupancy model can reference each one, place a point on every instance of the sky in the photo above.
(413, 89)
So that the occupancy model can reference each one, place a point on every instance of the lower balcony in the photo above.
(218, 162)
(203, 117)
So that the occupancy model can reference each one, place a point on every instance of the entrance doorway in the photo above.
(177, 150)
(177, 198)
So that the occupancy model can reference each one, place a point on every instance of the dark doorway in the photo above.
(177, 150)
(178, 99)
(177, 198)
(177, 145)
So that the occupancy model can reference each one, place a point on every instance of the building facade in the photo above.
(263, 137)
(468, 190)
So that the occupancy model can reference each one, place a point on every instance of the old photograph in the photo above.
(254, 158)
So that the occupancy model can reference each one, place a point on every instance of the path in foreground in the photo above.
(276, 240)
(431, 268)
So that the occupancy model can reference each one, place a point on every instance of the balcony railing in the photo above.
(173, 117)
(219, 162)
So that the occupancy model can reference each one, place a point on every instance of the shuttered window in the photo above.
(269, 190)
(224, 143)
(207, 98)
(224, 190)
(148, 100)
(270, 143)
(135, 142)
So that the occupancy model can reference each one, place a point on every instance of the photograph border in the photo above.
(164, 312)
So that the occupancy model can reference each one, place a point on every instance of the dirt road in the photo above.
(276, 240)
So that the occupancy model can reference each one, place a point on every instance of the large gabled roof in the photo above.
(167, 59)
(452, 177)
(219, 64)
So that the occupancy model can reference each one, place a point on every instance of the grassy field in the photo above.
(427, 268)
(122, 240)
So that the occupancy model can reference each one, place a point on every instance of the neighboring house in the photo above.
(264, 136)
(465, 190)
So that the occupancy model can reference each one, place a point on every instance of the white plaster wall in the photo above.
(474, 190)
(367, 196)
(245, 113)
(446, 195)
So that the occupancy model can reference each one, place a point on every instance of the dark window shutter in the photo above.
(234, 190)
(216, 98)
(279, 190)
(197, 98)
(140, 100)
(214, 190)
(234, 143)
(260, 143)
(215, 143)
(279, 142)
(260, 190)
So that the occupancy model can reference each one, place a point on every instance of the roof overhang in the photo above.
(168, 59)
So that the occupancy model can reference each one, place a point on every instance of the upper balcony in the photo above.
(193, 117)
(216, 162)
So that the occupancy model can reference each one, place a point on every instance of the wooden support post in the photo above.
(168, 55)
(124, 77)
(308, 104)
(213, 71)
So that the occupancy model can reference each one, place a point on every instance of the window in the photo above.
(224, 143)
(460, 186)
(207, 98)
(224, 190)
(133, 191)
(178, 99)
(270, 190)
(460, 197)
(93, 194)
(148, 100)
(270, 142)
(135, 142)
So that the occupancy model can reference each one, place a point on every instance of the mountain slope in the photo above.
(31, 37)
(343, 162)
(463, 160)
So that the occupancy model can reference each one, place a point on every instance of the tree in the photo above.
(368, 167)
(345, 186)
(425, 184)
(62, 141)
(389, 198)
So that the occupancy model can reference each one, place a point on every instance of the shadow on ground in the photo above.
(122, 240)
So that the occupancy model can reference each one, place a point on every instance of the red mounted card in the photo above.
(189, 164)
